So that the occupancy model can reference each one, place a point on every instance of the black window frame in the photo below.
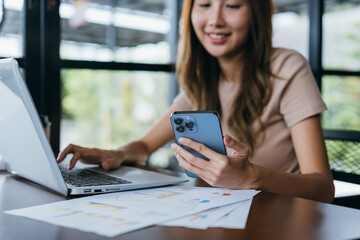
(316, 11)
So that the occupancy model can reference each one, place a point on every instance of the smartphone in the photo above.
(201, 126)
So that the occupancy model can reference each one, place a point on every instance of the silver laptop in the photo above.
(26, 151)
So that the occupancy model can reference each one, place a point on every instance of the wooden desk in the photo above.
(271, 217)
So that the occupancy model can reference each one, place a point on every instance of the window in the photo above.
(341, 34)
(341, 64)
(11, 31)
(107, 109)
(342, 96)
(117, 70)
(119, 31)
(291, 26)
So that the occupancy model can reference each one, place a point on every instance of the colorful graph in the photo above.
(198, 200)
(159, 194)
(197, 216)
(68, 212)
(202, 215)
(79, 215)
(101, 205)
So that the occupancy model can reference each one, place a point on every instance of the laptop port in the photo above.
(87, 190)
(112, 189)
(97, 190)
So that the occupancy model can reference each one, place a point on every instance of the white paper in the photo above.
(237, 218)
(116, 213)
(203, 219)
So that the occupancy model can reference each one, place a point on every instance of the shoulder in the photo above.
(286, 62)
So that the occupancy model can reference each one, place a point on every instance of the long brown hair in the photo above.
(199, 72)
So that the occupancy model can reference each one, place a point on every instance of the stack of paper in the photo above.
(117, 213)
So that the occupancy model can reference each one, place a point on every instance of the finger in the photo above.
(69, 149)
(106, 165)
(74, 159)
(239, 147)
(191, 158)
(191, 168)
(201, 148)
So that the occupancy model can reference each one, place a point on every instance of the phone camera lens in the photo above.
(180, 128)
(178, 121)
(189, 124)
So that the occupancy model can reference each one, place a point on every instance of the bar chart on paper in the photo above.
(116, 213)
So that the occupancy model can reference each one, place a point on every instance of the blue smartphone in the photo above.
(201, 126)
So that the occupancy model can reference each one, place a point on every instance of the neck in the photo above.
(231, 68)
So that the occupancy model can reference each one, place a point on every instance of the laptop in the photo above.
(26, 151)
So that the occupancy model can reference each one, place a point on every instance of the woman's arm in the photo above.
(236, 172)
(137, 151)
(315, 181)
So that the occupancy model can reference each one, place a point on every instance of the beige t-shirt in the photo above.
(295, 97)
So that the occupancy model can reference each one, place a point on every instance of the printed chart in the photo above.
(116, 213)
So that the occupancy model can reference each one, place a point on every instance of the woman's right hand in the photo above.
(108, 159)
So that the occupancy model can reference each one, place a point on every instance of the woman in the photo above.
(267, 98)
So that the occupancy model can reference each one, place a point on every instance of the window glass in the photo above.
(122, 31)
(341, 35)
(342, 97)
(11, 30)
(106, 109)
(291, 25)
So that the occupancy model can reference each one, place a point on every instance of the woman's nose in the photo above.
(216, 17)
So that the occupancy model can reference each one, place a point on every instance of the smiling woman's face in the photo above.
(221, 25)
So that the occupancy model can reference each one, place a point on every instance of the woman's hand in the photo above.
(234, 172)
(108, 159)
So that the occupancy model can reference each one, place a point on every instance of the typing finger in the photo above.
(66, 151)
(74, 159)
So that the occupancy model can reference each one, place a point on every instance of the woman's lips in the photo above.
(218, 37)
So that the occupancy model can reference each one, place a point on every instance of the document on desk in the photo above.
(229, 216)
(116, 213)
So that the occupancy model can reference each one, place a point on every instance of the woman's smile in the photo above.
(218, 38)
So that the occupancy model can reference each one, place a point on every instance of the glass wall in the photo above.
(117, 30)
(341, 51)
(342, 96)
(291, 26)
(11, 31)
(341, 35)
(107, 109)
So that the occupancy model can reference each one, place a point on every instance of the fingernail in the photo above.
(173, 146)
(182, 140)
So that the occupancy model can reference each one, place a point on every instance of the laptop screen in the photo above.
(23, 144)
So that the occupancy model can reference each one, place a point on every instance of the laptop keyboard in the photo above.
(86, 178)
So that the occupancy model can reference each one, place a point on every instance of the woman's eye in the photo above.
(233, 6)
(205, 5)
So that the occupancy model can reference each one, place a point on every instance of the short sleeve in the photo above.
(301, 97)
(182, 102)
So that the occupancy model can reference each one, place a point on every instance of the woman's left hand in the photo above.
(233, 172)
